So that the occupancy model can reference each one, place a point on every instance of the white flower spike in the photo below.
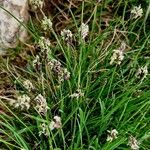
(137, 12)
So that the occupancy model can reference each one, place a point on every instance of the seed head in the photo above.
(36, 63)
(44, 129)
(22, 101)
(136, 12)
(133, 143)
(77, 94)
(56, 123)
(84, 30)
(41, 104)
(142, 72)
(35, 4)
(44, 44)
(118, 54)
(46, 24)
(28, 85)
(66, 35)
(112, 135)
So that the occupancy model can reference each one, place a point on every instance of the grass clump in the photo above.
(83, 87)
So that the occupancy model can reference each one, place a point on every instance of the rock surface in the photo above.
(11, 30)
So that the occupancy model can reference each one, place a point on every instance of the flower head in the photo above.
(56, 123)
(22, 101)
(142, 72)
(51, 125)
(77, 94)
(137, 12)
(41, 104)
(65, 74)
(35, 4)
(44, 129)
(84, 30)
(112, 135)
(46, 23)
(133, 143)
(56, 67)
(66, 35)
(36, 63)
(44, 44)
(118, 54)
(28, 85)
(36, 60)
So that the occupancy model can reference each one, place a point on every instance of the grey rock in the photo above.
(11, 23)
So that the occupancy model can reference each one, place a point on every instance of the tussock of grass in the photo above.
(95, 98)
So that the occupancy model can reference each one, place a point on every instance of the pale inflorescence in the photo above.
(22, 101)
(56, 67)
(133, 143)
(44, 129)
(51, 125)
(36, 63)
(112, 135)
(77, 94)
(56, 123)
(28, 85)
(46, 24)
(65, 75)
(36, 60)
(142, 72)
(137, 12)
(118, 54)
(35, 4)
(44, 44)
(66, 35)
(41, 104)
(84, 30)
(117, 57)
